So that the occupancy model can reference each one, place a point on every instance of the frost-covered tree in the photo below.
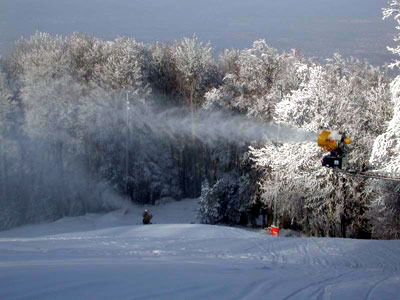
(7, 106)
(86, 125)
(162, 73)
(344, 95)
(386, 151)
(7, 153)
(287, 80)
(196, 72)
(258, 67)
(249, 87)
(255, 79)
(195, 68)
(84, 54)
(51, 127)
(250, 75)
(291, 180)
(385, 208)
(394, 11)
(123, 65)
(112, 65)
(308, 197)
(51, 108)
(40, 56)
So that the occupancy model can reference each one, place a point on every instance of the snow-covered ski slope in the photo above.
(112, 257)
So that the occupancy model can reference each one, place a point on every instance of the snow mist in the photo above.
(216, 126)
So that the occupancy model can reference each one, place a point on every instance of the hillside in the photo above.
(110, 256)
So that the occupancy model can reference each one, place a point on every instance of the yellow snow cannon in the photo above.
(330, 140)
(335, 143)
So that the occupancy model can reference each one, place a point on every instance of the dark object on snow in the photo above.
(146, 217)
(331, 161)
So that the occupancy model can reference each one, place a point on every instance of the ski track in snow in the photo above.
(111, 257)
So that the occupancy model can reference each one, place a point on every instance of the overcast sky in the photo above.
(315, 27)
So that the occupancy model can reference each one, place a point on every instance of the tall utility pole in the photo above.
(3, 169)
(274, 222)
(127, 141)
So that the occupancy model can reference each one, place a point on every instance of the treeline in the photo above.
(80, 121)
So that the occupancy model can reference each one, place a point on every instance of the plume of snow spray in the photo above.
(215, 126)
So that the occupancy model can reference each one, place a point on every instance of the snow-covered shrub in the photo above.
(207, 212)
(234, 197)
(220, 203)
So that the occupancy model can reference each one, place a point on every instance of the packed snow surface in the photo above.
(113, 256)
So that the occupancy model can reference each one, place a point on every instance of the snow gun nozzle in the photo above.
(330, 140)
